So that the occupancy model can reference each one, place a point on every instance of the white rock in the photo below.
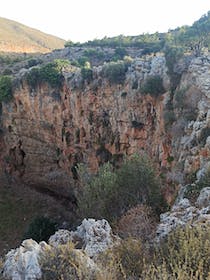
(182, 204)
(183, 213)
(96, 236)
(61, 237)
(23, 263)
(204, 198)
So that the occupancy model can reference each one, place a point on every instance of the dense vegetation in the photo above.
(153, 85)
(115, 72)
(113, 192)
(50, 73)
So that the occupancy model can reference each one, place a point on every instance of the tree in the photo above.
(5, 88)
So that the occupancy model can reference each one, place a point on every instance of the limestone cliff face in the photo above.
(47, 132)
(193, 142)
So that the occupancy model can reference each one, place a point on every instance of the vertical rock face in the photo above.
(48, 131)
(192, 144)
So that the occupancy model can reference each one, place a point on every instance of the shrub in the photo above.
(185, 254)
(94, 53)
(82, 61)
(153, 85)
(33, 78)
(119, 53)
(5, 88)
(138, 183)
(87, 74)
(69, 43)
(40, 229)
(124, 261)
(61, 64)
(33, 62)
(111, 193)
(7, 71)
(64, 262)
(115, 72)
(50, 73)
(138, 222)
(98, 198)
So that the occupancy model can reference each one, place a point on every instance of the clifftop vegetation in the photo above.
(189, 38)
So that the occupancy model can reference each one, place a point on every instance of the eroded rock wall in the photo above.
(48, 131)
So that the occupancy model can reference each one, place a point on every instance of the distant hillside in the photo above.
(16, 37)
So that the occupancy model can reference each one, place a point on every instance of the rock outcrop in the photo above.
(23, 263)
(183, 213)
(94, 236)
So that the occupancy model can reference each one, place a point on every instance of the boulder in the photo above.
(95, 236)
(23, 263)
(183, 213)
(61, 237)
(204, 198)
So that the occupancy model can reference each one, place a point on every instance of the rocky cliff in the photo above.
(48, 131)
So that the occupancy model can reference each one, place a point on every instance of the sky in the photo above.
(83, 20)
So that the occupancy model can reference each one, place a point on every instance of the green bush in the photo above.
(5, 88)
(49, 73)
(40, 229)
(138, 183)
(33, 78)
(153, 85)
(115, 72)
(98, 198)
(87, 74)
(82, 61)
(111, 193)
(69, 43)
(94, 53)
(119, 53)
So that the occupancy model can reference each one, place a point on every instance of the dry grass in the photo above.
(65, 262)
(185, 255)
(16, 37)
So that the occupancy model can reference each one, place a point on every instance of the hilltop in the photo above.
(16, 37)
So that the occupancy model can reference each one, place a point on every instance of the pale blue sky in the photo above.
(82, 20)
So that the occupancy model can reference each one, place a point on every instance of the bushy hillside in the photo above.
(16, 37)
